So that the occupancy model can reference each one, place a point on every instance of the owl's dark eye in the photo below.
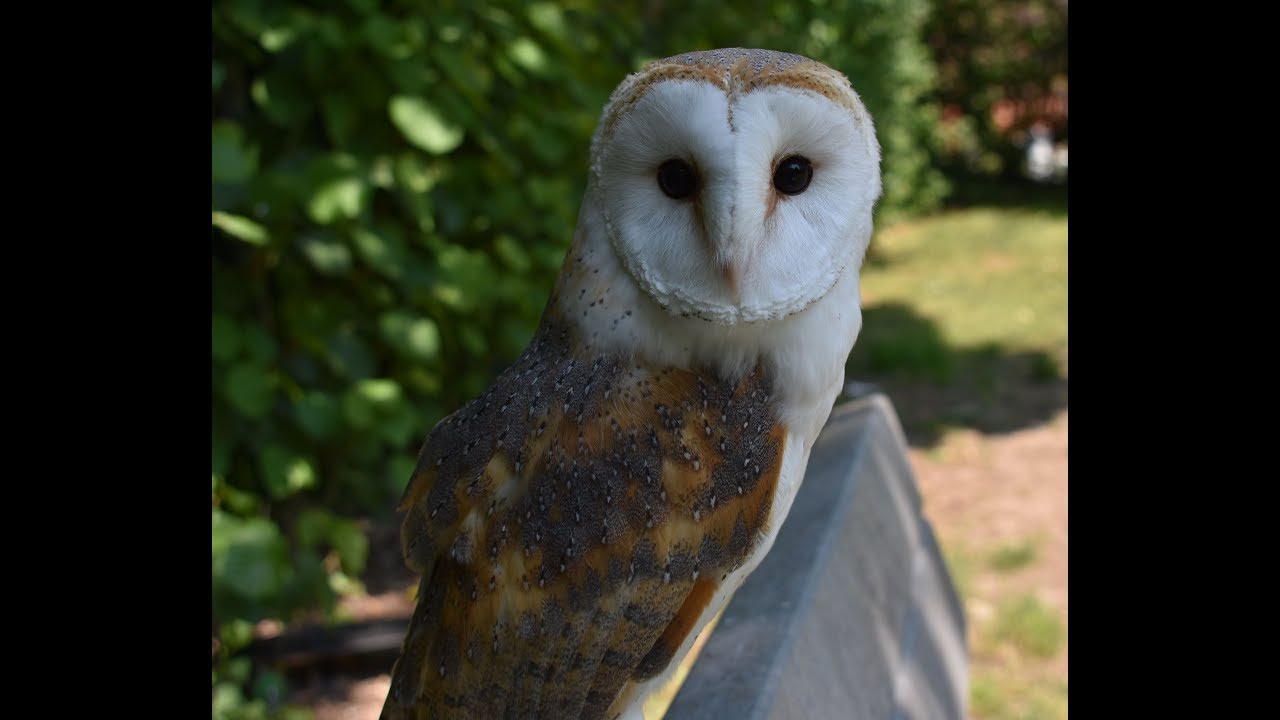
(793, 175)
(677, 179)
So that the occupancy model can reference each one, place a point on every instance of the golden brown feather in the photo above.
(571, 525)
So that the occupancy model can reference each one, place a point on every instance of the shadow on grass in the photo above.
(1025, 194)
(935, 386)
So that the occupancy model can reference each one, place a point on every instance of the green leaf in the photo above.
(250, 389)
(400, 427)
(352, 545)
(423, 381)
(270, 686)
(370, 402)
(527, 54)
(271, 462)
(237, 500)
(327, 254)
(357, 409)
(277, 39)
(339, 189)
(233, 162)
(399, 472)
(417, 337)
(241, 228)
(259, 343)
(235, 634)
(381, 393)
(219, 74)
(285, 472)
(240, 669)
(414, 175)
(332, 31)
(381, 32)
(309, 580)
(512, 254)
(337, 199)
(245, 15)
(226, 341)
(312, 527)
(467, 278)
(249, 556)
(549, 18)
(381, 174)
(423, 125)
(228, 702)
(349, 356)
(281, 98)
(382, 252)
(423, 339)
(300, 475)
(317, 414)
(340, 118)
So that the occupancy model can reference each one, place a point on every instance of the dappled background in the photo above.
(394, 186)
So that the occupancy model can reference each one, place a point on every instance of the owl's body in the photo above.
(579, 523)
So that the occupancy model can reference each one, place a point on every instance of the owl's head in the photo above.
(736, 186)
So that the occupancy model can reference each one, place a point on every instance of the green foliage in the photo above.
(1002, 66)
(1029, 626)
(984, 277)
(231, 703)
(1015, 556)
(994, 696)
(962, 566)
(394, 187)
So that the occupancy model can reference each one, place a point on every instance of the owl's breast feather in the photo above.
(574, 526)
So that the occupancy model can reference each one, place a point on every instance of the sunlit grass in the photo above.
(983, 276)
(962, 566)
(996, 697)
(1025, 623)
(1014, 556)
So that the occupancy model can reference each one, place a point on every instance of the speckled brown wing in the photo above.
(571, 524)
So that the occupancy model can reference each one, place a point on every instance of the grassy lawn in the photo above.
(965, 328)
(965, 319)
(984, 276)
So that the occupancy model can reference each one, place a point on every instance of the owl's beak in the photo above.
(715, 211)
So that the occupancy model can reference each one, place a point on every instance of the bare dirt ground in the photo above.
(982, 492)
(986, 492)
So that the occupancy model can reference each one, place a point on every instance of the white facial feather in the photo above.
(794, 256)
(740, 252)
(793, 259)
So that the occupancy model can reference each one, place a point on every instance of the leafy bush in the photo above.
(394, 186)
(1002, 68)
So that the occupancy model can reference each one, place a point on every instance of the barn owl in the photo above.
(579, 523)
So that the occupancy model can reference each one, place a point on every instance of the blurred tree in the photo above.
(1002, 70)
(394, 186)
